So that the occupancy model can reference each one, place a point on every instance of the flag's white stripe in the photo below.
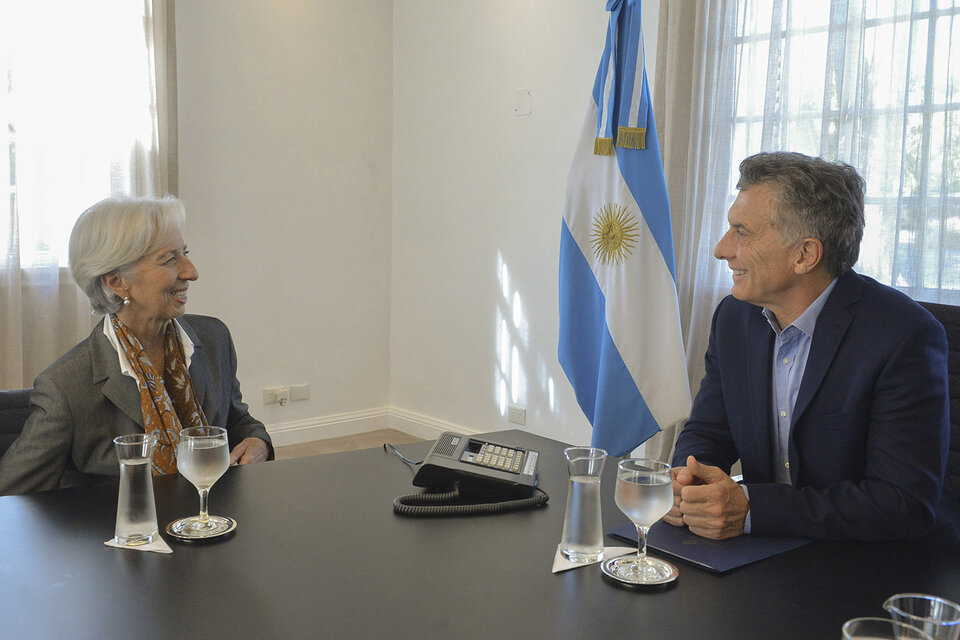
(637, 98)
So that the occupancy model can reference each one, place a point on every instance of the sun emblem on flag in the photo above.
(615, 232)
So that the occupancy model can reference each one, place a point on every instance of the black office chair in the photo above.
(949, 317)
(14, 409)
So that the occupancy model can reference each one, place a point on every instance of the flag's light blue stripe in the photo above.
(605, 390)
(601, 80)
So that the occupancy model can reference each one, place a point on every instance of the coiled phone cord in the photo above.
(437, 504)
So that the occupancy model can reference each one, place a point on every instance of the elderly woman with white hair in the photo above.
(145, 367)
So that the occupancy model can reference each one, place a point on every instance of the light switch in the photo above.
(522, 102)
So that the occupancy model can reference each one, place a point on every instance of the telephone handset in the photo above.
(465, 475)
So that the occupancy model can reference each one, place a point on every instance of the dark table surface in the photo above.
(319, 553)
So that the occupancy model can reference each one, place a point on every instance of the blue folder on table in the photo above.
(714, 555)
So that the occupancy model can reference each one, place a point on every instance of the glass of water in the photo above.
(202, 457)
(582, 538)
(136, 511)
(644, 493)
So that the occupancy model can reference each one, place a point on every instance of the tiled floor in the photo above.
(366, 440)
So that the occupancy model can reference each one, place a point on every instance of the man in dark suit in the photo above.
(829, 387)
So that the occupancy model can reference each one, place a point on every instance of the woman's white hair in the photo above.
(113, 235)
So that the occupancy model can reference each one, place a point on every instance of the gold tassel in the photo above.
(632, 137)
(603, 147)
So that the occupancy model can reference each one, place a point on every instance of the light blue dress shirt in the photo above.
(791, 348)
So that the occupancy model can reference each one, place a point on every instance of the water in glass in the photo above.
(136, 513)
(203, 462)
(644, 500)
(582, 539)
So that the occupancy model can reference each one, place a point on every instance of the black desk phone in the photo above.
(465, 474)
(478, 465)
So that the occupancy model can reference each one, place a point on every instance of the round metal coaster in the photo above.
(176, 530)
(617, 569)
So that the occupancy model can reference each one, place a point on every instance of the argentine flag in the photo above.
(620, 343)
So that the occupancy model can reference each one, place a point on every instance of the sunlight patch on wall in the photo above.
(545, 382)
(521, 377)
(512, 344)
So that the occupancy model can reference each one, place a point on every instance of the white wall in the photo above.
(478, 192)
(375, 273)
(285, 120)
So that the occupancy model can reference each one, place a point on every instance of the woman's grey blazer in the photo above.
(82, 401)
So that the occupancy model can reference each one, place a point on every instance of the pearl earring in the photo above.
(126, 301)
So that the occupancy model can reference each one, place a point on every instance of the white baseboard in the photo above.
(346, 424)
(423, 426)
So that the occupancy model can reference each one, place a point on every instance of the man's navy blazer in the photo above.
(870, 430)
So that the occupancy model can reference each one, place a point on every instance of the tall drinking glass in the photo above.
(644, 493)
(202, 457)
(881, 629)
(582, 538)
(136, 511)
(938, 617)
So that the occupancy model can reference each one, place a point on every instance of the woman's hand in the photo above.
(249, 450)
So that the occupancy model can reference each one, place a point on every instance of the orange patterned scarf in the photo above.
(168, 403)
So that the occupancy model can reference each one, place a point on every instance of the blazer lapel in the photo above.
(832, 325)
(122, 390)
(199, 367)
(119, 389)
(759, 345)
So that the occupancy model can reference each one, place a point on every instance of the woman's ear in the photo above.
(115, 283)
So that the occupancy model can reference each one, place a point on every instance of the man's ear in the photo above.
(115, 283)
(810, 255)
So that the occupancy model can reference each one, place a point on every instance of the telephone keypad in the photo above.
(499, 457)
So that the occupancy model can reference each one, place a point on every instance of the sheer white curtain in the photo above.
(87, 109)
(869, 82)
(694, 83)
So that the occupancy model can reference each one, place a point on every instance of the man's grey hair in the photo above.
(113, 235)
(814, 199)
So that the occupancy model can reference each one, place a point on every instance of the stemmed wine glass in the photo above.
(202, 457)
(645, 494)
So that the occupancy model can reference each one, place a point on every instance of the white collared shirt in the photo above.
(125, 366)
(790, 354)
(791, 350)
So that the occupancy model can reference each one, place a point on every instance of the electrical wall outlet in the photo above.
(517, 414)
(272, 395)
